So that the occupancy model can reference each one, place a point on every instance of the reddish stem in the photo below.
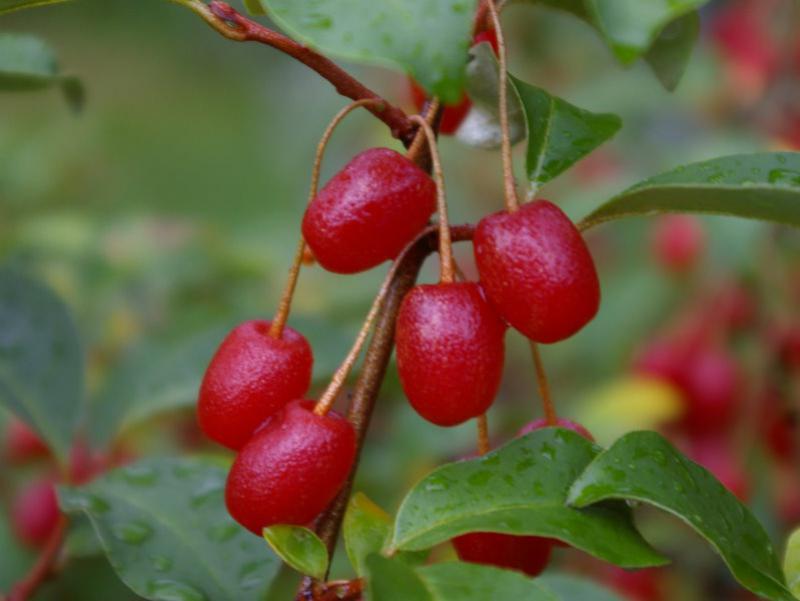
(43, 567)
(243, 29)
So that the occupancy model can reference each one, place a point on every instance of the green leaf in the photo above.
(28, 63)
(153, 378)
(164, 526)
(41, 360)
(570, 587)
(791, 563)
(757, 186)
(457, 581)
(81, 541)
(428, 38)
(669, 56)
(559, 133)
(254, 7)
(16, 559)
(392, 580)
(6, 6)
(481, 128)
(520, 488)
(643, 466)
(367, 528)
(300, 548)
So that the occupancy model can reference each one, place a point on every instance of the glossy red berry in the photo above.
(449, 351)
(527, 554)
(369, 211)
(561, 422)
(678, 241)
(251, 376)
(23, 444)
(537, 271)
(34, 512)
(291, 469)
(452, 114)
(711, 385)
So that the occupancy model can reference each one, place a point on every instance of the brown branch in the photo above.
(236, 26)
(43, 567)
(373, 371)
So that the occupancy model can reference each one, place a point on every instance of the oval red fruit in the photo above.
(34, 512)
(527, 554)
(291, 469)
(251, 376)
(449, 351)
(537, 271)
(368, 211)
(23, 444)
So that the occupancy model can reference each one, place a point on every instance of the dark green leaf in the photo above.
(300, 548)
(28, 63)
(41, 360)
(791, 563)
(758, 186)
(559, 133)
(366, 529)
(166, 531)
(520, 488)
(81, 541)
(428, 38)
(153, 378)
(568, 587)
(481, 128)
(670, 54)
(643, 466)
(457, 581)
(16, 560)
(7, 6)
(392, 580)
(254, 7)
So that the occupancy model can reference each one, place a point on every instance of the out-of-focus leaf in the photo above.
(757, 186)
(154, 378)
(392, 580)
(669, 55)
(520, 488)
(16, 559)
(643, 466)
(165, 529)
(481, 128)
(81, 541)
(7, 6)
(367, 528)
(254, 7)
(626, 404)
(458, 581)
(559, 133)
(28, 63)
(791, 563)
(428, 38)
(41, 360)
(570, 587)
(300, 548)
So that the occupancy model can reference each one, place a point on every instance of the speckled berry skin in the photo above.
(291, 469)
(527, 554)
(251, 376)
(561, 422)
(368, 211)
(34, 512)
(537, 271)
(449, 351)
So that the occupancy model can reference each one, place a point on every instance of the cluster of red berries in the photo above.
(34, 508)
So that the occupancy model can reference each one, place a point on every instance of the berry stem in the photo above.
(446, 272)
(483, 435)
(431, 113)
(510, 188)
(285, 305)
(544, 387)
(328, 397)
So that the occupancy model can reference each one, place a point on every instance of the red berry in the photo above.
(449, 351)
(678, 241)
(487, 35)
(251, 376)
(452, 114)
(662, 359)
(527, 554)
(538, 424)
(291, 469)
(84, 463)
(711, 385)
(34, 512)
(537, 271)
(636, 585)
(22, 443)
(715, 454)
(369, 211)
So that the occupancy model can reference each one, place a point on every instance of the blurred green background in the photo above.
(169, 209)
